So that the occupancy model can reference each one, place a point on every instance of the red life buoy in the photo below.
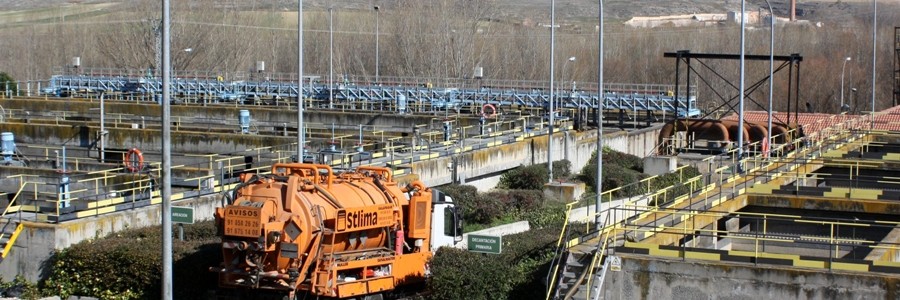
(134, 160)
(765, 148)
(484, 111)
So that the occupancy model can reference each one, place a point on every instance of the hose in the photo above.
(328, 196)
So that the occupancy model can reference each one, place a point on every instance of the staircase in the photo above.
(9, 232)
(575, 276)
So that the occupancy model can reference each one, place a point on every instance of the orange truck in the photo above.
(306, 232)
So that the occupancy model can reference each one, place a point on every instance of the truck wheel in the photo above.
(373, 297)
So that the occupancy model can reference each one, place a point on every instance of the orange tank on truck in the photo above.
(305, 231)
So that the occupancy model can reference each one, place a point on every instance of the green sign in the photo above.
(183, 215)
(485, 244)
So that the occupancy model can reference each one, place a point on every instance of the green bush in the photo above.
(516, 200)
(624, 160)
(19, 288)
(533, 177)
(517, 273)
(459, 274)
(614, 176)
(476, 209)
(128, 265)
(7, 82)
(667, 180)
(562, 169)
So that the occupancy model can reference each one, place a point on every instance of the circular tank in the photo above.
(341, 200)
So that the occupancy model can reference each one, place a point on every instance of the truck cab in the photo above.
(446, 221)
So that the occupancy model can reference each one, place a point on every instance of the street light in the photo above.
(874, 48)
(565, 67)
(843, 67)
(852, 95)
(600, 95)
(376, 43)
(300, 131)
(550, 111)
(330, 58)
(740, 150)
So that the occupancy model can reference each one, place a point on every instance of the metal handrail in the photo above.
(815, 138)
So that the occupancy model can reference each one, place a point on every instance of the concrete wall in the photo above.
(653, 278)
(483, 168)
(38, 241)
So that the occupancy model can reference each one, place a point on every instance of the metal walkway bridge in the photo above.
(398, 92)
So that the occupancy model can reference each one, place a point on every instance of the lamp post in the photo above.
(550, 111)
(376, 44)
(300, 131)
(843, 67)
(771, 73)
(874, 57)
(740, 151)
(597, 220)
(330, 58)
(564, 72)
(852, 94)
(166, 167)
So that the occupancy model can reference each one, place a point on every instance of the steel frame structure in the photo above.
(792, 62)
(217, 88)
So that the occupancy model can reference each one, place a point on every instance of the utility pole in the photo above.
(300, 104)
(551, 99)
(166, 158)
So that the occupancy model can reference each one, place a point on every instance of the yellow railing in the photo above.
(837, 134)
(12, 239)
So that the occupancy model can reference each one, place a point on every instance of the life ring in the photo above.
(765, 147)
(484, 111)
(134, 160)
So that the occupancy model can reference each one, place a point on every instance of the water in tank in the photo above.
(244, 120)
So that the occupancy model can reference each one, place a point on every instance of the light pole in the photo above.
(874, 57)
(300, 137)
(564, 72)
(550, 111)
(852, 94)
(600, 96)
(740, 151)
(376, 44)
(843, 67)
(771, 73)
(330, 58)
(166, 168)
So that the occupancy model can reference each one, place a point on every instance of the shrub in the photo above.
(476, 209)
(624, 160)
(614, 176)
(517, 273)
(128, 265)
(459, 274)
(7, 82)
(19, 288)
(533, 177)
